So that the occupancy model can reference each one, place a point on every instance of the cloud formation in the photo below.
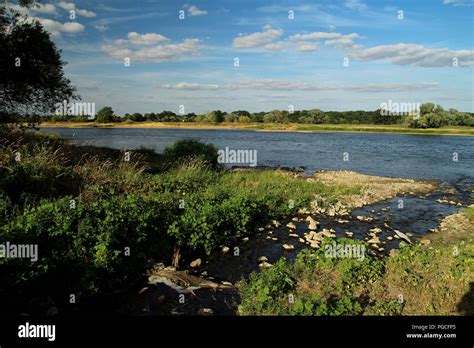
(71, 6)
(415, 55)
(258, 39)
(150, 47)
(268, 40)
(302, 86)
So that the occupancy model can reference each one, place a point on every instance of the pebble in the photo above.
(196, 263)
(288, 247)
(205, 311)
(291, 225)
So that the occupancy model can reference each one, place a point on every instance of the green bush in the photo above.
(268, 292)
(187, 150)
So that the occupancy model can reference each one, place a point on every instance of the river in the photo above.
(444, 158)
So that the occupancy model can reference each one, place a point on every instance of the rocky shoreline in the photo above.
(210, 286)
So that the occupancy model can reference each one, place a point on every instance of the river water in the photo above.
(391, 155)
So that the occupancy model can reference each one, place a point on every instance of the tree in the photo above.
(426, 108)
(137, 117)
(106, 114)
(216, 116)
(32, 77)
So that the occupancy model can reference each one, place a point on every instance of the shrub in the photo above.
(186, 150)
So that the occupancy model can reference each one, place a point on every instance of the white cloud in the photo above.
(44, 9)
(415, 55)
(71, 6)
(258, 39)
(315, 36)
(157, 53)
(145, 39)
(189, 86)
(304, 46)
(302, 86)
(194, 11)
(356, 5)
(298, 85)
(101, 28)
(459, 3)
(56, 28)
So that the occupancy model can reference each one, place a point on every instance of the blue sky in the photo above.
(407, 56)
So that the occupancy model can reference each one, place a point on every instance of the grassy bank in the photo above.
(289, 127)
(435, 278)
(98, 218)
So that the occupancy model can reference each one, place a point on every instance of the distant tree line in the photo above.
(429, 116)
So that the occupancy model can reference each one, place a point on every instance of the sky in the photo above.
(263, 55)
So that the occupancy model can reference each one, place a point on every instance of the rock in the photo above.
(274, 238)
(291, 225)
(265, 265)
(452, 202)
(288, 247)
(204, 274)
(386, 225)
(332, 211)
(389, 238)
(260, 229)
(294, 235)
(262, 259)
(314, 244)
(374, 240)
(225, 249)
(425, 242)
(227, 283)
(349, 234)
(301, 240)
(205, 311)
(375, 230)
(313, 225)
(245, 239)
(364, 218)
(196, 263)
(268, 227)
(402, 236)
(380, 249)
(409, 234)
(304, 211)
(340, 221)
(385, 209)
(276, 223)
(327, 233)
(295, 219)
